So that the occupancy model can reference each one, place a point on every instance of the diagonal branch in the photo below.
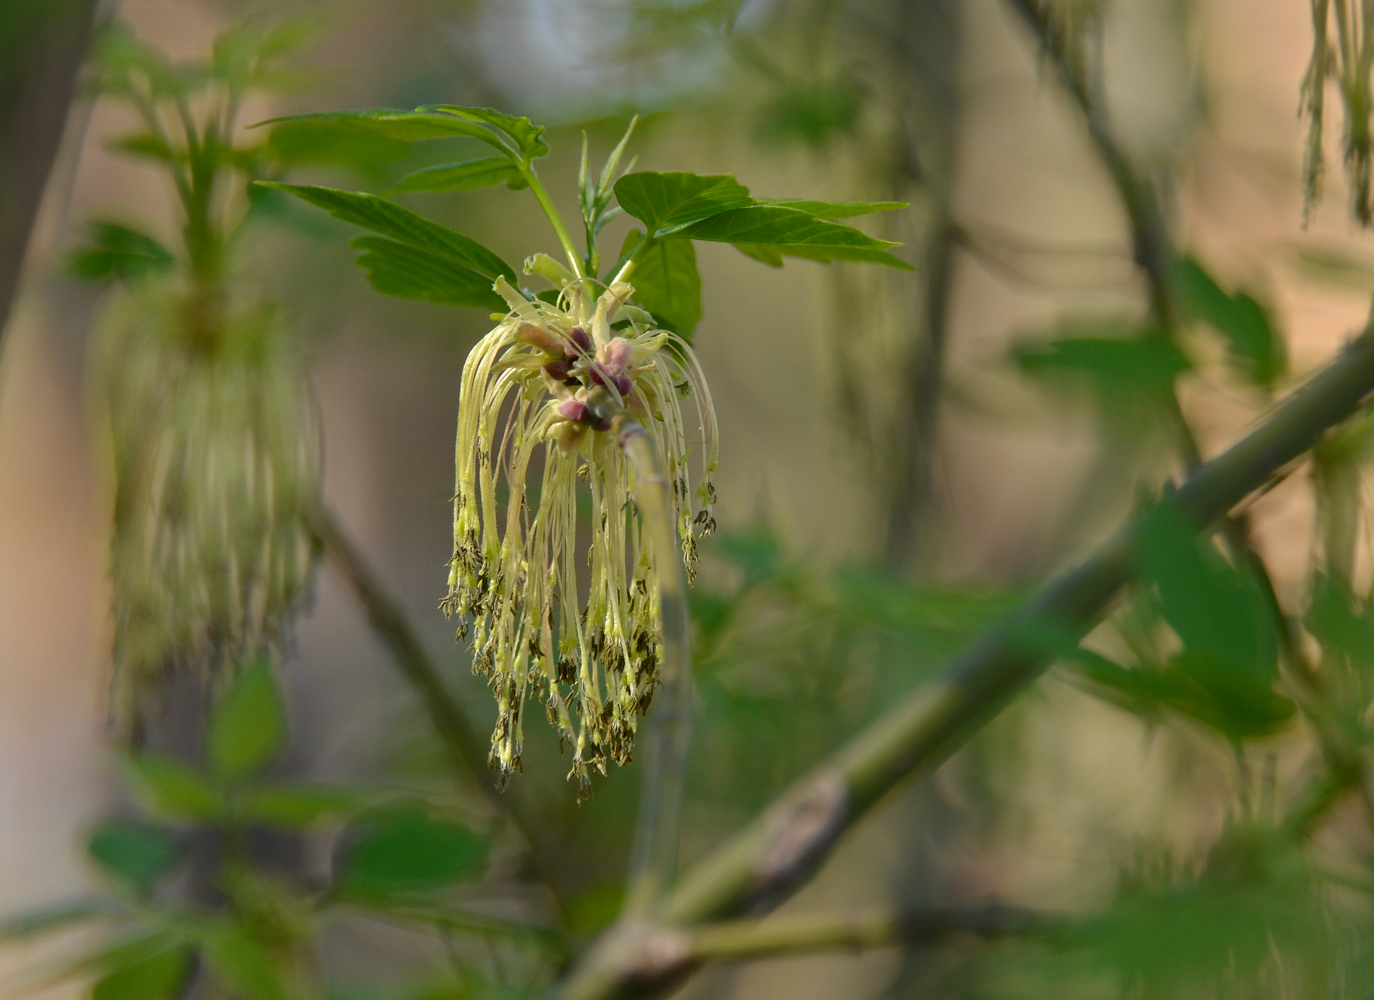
(774, 854)
(446, 715)
(655, 956)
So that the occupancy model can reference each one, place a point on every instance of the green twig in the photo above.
(649, 959)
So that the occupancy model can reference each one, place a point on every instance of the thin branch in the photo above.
(391, 624)
(655, 957)
(653, 863)
(774, 854)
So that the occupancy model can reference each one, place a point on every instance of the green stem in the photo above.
(564, 237)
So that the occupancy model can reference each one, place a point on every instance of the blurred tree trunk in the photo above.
(895, 321)
(42, 43)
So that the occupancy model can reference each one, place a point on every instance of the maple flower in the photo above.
(589, 654)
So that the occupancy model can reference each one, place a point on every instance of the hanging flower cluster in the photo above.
(215, 452)
(590, 653)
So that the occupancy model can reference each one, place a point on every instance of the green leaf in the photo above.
(145, 144)
(1224, 677)
(354, 145)
(666, 283)
(408, 853)
(1256, 348)
(135, 853)
(158, 977)
(296, 806)
(409, 272)
(1217, 611)
(466, 176)
(792, 233)
(167, 786)
(50, 918)
(835, 209)
(418, 259)
(1341, 623)
(396, 124)
(525, 136)
(1111, 366)
(666, 202)
(248, 726)
(118, 252)
(245, 965)
(394, 222)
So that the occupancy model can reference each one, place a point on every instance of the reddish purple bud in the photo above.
(574, 410)
(557, 370)
(581, 342)
(623, 386)
(536, 336)
(617, 355)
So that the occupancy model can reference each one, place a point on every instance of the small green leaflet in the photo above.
(789, 232)
(137, 854)
(1256, 348)
(667, 202)
(417, 259)
(466, 176)
(160, 976)
(408, 853)
(117, 251)
(667, 284)
(168, 787)
(248, 726)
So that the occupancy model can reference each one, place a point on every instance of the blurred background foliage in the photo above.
(905, 455)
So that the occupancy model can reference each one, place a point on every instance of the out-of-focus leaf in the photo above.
(592, 911)
(167, 786)
(1341, 623)
(815, 113)
(135, 853)
(667, 284)
(526, 137)
(244, 965)
(466, 176)
(666, 202)
(118, 252)
(793, 233)
(158, 977)
(1110, 366)
(408, 853)
(295, 806)
(111, 956)
(248, 726)
(354, 146)
(145, 144)
(1255, 346)
(1217, 611)
(835, 209)
(1224, 677)
(33, 923)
